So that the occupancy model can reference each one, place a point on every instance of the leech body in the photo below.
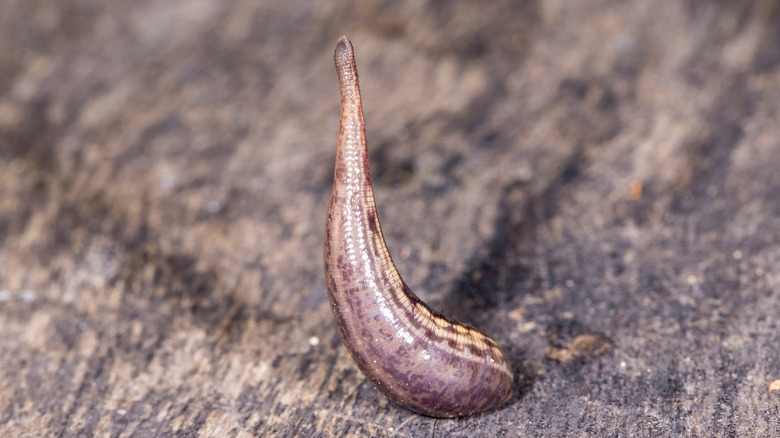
(425, 361)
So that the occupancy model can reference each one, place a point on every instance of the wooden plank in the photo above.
(594, 185)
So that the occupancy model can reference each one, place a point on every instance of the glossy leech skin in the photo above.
(423, 360)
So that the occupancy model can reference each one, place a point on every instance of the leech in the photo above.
(419, 358)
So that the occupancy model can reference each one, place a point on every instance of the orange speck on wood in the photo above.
(635, 192)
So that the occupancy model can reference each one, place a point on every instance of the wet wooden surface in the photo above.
(593, 184)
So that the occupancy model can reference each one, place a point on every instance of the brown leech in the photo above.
(423, 360)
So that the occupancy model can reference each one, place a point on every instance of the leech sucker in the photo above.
(423, 360)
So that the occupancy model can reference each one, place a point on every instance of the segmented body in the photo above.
(423, 360)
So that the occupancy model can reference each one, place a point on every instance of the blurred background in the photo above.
(593, 184)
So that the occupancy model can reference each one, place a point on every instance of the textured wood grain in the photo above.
(603, 178)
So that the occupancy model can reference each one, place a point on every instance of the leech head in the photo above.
(343, 50)
(423, 360)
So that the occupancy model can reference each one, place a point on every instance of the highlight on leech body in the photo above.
(419, 358)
